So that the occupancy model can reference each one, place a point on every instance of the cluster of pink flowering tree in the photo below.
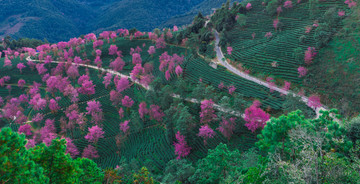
(314, 101)
(94, 108)
(229, 50)
(227, 127)
(309, 55)
(94, 134)
(207, 113)
(181, 147)
(302, 71)
(206, 132)
(143, 110)
(124, 127)
(156, 113)
(127, 102)
(255, 116)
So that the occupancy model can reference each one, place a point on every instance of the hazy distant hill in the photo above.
(58, 20)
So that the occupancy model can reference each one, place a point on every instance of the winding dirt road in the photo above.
(222, 60)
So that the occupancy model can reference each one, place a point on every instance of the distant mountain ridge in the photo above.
(59, 20)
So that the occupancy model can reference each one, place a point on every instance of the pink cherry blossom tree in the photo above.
(302, 71)
(288, 4)
(227, 127)
(72, 72)
(20, 66)
(221, 85)
(143, 110)
(95, 133)
(231, 89)
(26, 129)
(113, 50)
(255, 116)
(181, 147)
(229, 50)
(314, 101)
(21, 83)
(178, 70)
(107, 79)
(83, 78)
(160, 42)
(286, 85)
(122, 84)
(206, 132)
(121, 113)
(127, 102)
(90, 152)
(136, 58)
(71, 148)
(115, 97)
(87, 88)
(137, 72)
(207, 112)
(309, 55)
(156, 113)
(124, 127)
(268, 35)
(37, 102)
(151, 50)
(117, 64)
(248, 6)
(276, 23)
(41, 69)
(53, 105)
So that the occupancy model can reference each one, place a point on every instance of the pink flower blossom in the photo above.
(229, 50)
(26, 129)
(255, 117)
(151, 50)
(127, 102)
(90, 152)
(181, 147)
(124, 126)
(248, 6)
(341, 13)
(288, 4)
(206, 132)
(302, 71)
(143, 110)
(95, 133)
(314, 101)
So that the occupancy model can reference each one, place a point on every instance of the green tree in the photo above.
(217, 165)
(15, 163)
(90, 173)
(59, 168)
(275, 136)
(178, 171)
(293, 103)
